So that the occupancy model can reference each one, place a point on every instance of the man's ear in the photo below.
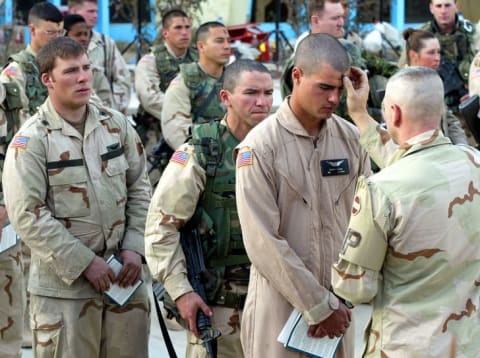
(31, 29)
(46, 80)
(297, 73)
(397, 119)
(224, 97)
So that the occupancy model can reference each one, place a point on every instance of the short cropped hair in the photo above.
(59, 47)
(170, 14)
(44, 11)
(71, 19)
(233, 72)
(203, 29)
(317, 49)
(419, 90)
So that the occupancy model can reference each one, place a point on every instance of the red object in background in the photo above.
(250, 33)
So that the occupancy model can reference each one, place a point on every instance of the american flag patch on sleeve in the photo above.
(245, 158)
(10, 71)
(180, 157)
(19, 142)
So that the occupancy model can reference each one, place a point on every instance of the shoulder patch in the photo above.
(19, 142)
(180, 157)
(10, 71)
(147, 58)
(245, 158)
(476, 73)
(175, 81)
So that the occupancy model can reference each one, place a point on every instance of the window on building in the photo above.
(417, 11)
(122, 11)
(372, 10)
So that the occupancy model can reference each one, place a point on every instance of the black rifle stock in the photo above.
(469, 109)
(192, 249)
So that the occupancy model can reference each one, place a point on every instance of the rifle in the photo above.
(192, 249)
(469, 109)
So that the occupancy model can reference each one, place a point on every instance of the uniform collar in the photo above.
(170, 51)
(30, 50)
(290, 122)
(425, 140)
(53, 121)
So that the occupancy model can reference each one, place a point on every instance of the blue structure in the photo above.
(126, 32)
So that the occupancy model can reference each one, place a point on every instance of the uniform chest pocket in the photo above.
(114, 162)
(68, 194)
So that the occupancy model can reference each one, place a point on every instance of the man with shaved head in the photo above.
(296, 175)
(412, 244)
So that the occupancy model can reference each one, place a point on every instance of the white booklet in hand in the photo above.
(120, 295)
(9, 238)
(294, 336)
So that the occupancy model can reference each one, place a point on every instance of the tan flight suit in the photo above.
(293, 219)
(70, 198)
(412, 248)
(173, 204)
(106, 58)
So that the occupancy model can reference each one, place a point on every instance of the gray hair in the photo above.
(419, 91)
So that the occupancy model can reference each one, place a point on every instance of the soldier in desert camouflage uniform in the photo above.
(12, 293)
(192, 96)
(105, 57)
(76, 191)
(203, 184)
(411, 246)
(156, 70)
(24, 94)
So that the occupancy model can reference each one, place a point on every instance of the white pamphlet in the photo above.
(120, 295)
(294, 336)
(9, 238)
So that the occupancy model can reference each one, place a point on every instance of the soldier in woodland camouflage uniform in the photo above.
(412, 244)
(192, 96)
(105, 57)
(156, 70)
(199, 182)
(76, 191)
(24, 93)
(328, 16)
(456, 44)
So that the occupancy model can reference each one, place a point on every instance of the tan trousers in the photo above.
(12, 302)
(90, 327)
